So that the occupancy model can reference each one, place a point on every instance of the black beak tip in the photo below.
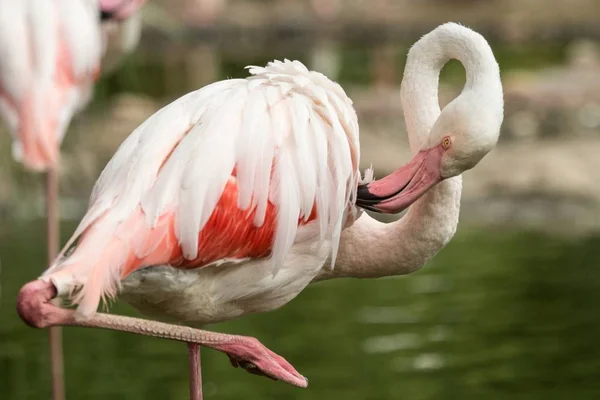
(106, 15)
(366, 199)
(363, 194)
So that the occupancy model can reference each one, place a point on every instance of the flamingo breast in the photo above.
(227, 288)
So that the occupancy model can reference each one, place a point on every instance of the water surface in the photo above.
(495, 315)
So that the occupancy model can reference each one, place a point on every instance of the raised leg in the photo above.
(34, 307)
(53, 233)
(195, 371)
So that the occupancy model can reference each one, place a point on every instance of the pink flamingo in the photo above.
(118, 10)
(121, 30)
(50, 53)
(236, 196)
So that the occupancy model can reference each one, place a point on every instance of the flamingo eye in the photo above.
(446, 143)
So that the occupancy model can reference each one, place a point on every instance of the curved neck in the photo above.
(425, 60)
(373, 249)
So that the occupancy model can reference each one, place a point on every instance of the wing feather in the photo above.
(250, 143)
(264, 163)
(205, 177)
(283, 138)
(305, 165)
(287, 198)
(319, 140)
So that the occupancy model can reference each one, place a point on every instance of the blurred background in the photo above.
(508, 308)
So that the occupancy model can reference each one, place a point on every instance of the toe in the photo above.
(254, 357)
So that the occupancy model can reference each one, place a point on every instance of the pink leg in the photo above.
(195, 371)
(56, 354)
(34, 307)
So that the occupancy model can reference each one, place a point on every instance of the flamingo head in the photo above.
(118, 9)
(466, 130)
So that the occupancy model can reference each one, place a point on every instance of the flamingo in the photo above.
(470, 127)
(233, 198)
(50, 54)
(121, 28)
(118, 10)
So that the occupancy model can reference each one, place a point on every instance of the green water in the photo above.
(495, 316)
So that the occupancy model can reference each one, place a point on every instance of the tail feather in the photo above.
(106, 252)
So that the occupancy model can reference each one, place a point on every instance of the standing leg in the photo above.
(195, 371)
(56, 356)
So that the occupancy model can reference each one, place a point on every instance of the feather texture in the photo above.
(283, 142)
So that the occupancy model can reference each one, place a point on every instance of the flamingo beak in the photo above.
(397, 191)
(119, 10)
(106, 15)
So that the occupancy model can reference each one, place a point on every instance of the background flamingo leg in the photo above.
(53, 237)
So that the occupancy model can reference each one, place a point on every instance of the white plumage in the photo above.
(290, 134)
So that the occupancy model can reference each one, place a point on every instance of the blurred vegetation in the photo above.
(145, 74)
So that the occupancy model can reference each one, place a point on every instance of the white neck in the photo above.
(373, 249)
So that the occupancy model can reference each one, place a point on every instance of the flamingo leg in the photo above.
(195, 371)
(53, 233)
(36, 309)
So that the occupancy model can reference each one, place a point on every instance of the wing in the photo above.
(49, 56)
(227, 172)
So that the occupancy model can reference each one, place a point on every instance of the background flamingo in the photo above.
(121, 29)
(197, 235)
(49, 58)
(50, 55)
